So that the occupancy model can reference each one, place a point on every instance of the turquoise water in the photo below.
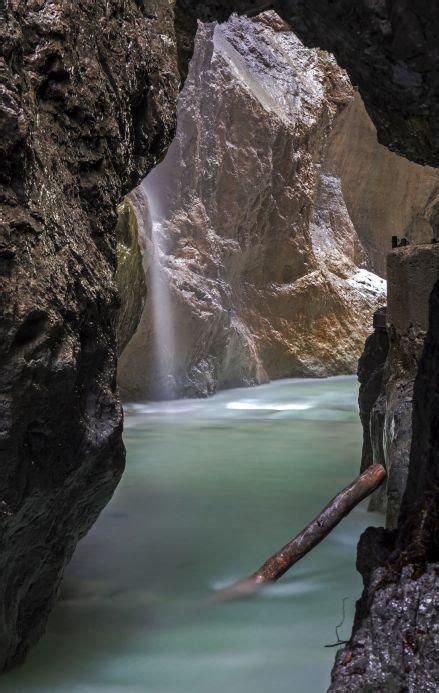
(212, 487)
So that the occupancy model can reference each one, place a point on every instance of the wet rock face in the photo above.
(418, 521)
(412, 274)
(262, 259)
(88, 103)
(388, 368)
(130, 277)
(385, 194)
(394, 647)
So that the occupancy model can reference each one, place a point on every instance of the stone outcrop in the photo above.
(395, 643)
(388, 368)
(263, 263)
(385, 194)
(412, 274)
(88, 103)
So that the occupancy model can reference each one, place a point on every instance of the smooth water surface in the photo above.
(212, 487)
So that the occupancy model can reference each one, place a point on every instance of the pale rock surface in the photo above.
(263, 265)
(385, 194)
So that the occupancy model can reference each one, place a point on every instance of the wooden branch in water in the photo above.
(281, 561)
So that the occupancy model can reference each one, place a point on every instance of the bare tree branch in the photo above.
(281, 561)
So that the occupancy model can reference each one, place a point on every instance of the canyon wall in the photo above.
(393, 645)
(264, 267)
(388, 368)
(412, 272)
(87, 107)
(88, 101)
(385, 194)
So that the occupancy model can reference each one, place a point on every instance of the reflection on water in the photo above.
(212, 487)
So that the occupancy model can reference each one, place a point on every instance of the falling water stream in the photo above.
(163, 335)
(211, 488)
(160, 299)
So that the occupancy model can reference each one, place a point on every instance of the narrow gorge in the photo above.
(213, 217)
(266, 275)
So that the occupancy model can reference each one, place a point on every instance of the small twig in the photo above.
(340, 642)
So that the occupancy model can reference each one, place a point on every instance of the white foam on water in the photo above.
(291, 588)
(253, 406)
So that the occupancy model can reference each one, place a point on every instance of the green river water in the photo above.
(211, 488)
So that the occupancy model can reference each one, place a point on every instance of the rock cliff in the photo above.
(385, 194)
(263, 264)
(412, 272)
(388, 368)
(88, 104)
(388, 47)
(393, 645)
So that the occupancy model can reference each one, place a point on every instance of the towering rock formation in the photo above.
(412, 272)
(261, 257)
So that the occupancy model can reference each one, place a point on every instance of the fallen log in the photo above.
(281, 561)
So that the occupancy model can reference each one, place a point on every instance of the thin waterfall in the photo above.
(163, 337)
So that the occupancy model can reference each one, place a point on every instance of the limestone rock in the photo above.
(388, 47)
(388, 367)
(385, 194)
(263, 264)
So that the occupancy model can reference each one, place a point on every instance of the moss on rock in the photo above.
(130, 277)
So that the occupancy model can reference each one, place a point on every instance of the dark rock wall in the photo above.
(88, 106)
(394, 647)
(418, 524)
(394, 640)
(388, 368)
(370, 377)
(412, 273)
